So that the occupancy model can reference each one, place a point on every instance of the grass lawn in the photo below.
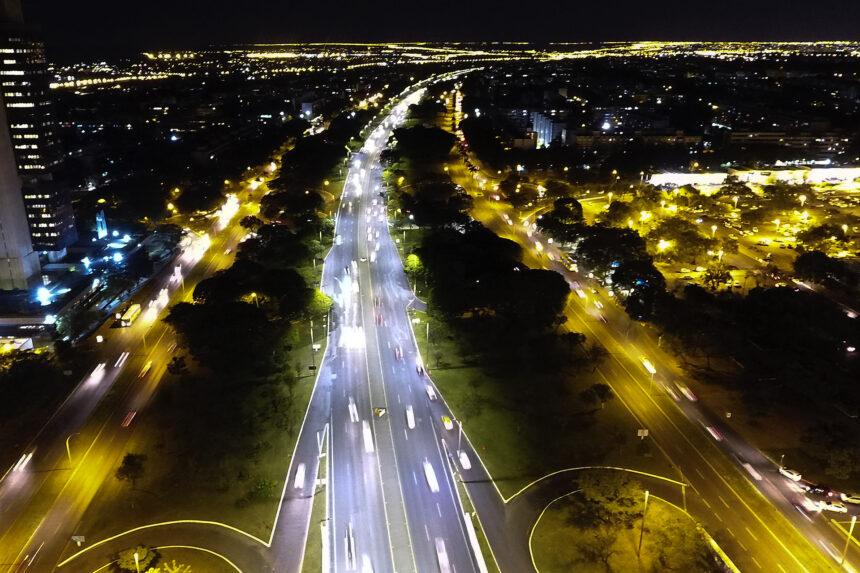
(514, 450)
(198, 561)
(241, 489)
(560, 545)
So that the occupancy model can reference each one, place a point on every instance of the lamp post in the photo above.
(313, 358)
(254, 296)
(136, 562)
(642, 531)
(68, 449)
(713, 231)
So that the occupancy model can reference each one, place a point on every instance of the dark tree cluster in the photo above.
(436, 202)
(423, 144)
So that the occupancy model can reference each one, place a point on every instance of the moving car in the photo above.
(410, 417)
(431, 393)
(128, 418)
(852, 498)
(817, 489)
(446, 421)
(833, 506)
(145, 370)
(793, 475)
(430, 476)
(464, 460)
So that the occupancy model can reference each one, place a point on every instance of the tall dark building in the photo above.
(32, 127)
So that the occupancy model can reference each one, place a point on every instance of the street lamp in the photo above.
(713, 231)
(735, 199)
(802, 200)
(776, 222)
(642, 531)
(137, 562)
(254, 296)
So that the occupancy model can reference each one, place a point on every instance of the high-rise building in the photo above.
(19, 263)
(32, 127)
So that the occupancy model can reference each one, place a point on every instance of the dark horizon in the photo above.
(98, 27)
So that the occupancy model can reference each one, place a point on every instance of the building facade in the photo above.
(19, 263)
(32, 128)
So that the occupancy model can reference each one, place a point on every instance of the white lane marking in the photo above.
(405, 433)
(724, 501)
(426, 532)
(757, 564)
(742, 545)
(751, 533)
(438, 510)
(701, 475)
(415, 478)
(705, 501)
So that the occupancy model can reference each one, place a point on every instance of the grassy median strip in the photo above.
(313, 561)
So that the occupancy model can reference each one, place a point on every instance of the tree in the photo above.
(567, 210)
(715, 276)
(145, 557)
(131, 469)
(687, 243)
(618, 213)
(597, 545)
(598, 393)
(615, 497)
(818, 267)
(679, 545)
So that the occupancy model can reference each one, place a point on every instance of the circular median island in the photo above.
(598, 528)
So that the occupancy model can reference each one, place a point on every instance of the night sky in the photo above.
(118, 24)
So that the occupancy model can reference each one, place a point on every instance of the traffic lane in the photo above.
(45, 552)
(727, 505)
(441, 509)
(97, 463)
(439, 512)
(699, 468)
(357, 497)
(744, 454)
(414, 447)
(57, 457)
(584, 321)
(290, 530)
(358, 525)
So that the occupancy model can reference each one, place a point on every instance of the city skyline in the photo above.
(161, 25)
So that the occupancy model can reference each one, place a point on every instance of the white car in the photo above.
(410, 417)
(446, 421)
(687, 393)
(430, 476)
(464, 460)
(833, 506)
(854, 498)
(790, 474)
(431, 393)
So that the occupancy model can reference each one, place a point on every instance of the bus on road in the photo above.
(130, 315)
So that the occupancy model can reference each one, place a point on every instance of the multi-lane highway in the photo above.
(394, 502)
(42, 503)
